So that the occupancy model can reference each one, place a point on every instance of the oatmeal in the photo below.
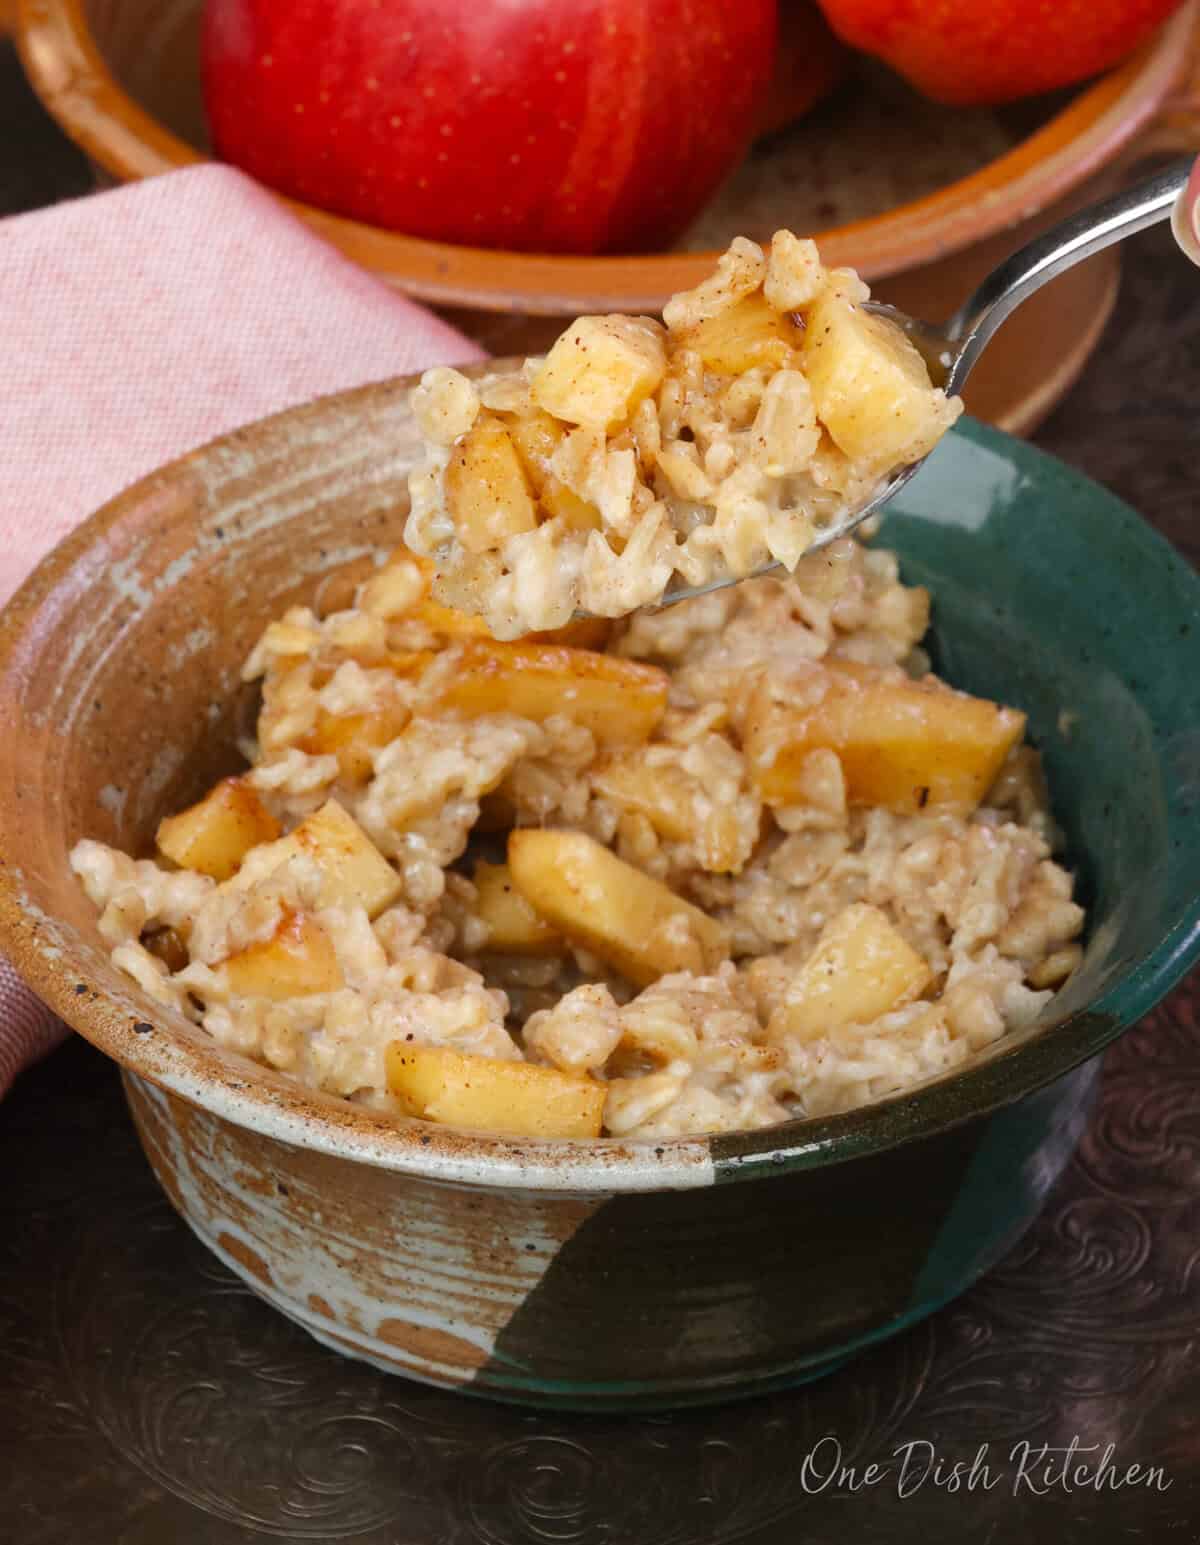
(637, 455)
(736, 862)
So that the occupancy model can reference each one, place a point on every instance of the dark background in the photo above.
(146, 1398)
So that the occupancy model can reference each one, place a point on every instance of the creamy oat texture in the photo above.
(636, 457)
(709, 869)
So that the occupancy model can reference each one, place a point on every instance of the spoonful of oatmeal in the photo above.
(774, 409)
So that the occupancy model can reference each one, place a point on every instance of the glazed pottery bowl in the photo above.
(606, 1273)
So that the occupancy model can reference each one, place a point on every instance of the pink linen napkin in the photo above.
(135, 325)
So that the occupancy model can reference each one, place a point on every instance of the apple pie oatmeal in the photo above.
(635, 456)
(736, 862)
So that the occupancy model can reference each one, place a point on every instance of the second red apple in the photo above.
(974, 51)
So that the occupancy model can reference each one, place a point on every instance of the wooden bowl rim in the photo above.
(76, 86)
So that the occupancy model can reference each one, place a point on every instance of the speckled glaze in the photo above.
(602, 1274)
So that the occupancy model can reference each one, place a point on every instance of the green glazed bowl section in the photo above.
(1052, 595)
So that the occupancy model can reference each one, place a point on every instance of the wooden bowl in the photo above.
(122, 78)
(923, 197)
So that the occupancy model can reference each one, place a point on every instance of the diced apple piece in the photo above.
(449, 622)
(214, 835)
(907, 745)
(600, 369)
(536, 436)
(870, 386)
(618, 700)
(860, 969)
(748, 334)
(557, 500)
(297, 961)
(599, 901)
(487, 493)
(518, 1099)
(354, 737)
(353, 870)
(514, 928)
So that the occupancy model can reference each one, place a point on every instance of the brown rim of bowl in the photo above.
(42, 951)
(77, 87)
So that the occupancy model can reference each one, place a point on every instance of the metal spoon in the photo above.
(951, 351)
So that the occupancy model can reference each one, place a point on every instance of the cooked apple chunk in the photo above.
(353, 870)
(514, 927)
(536, 436)
(600, 369)
(487, 1094)
(576, 514)
(355, 737)
(630, 920)
(213, 836)
(903, 744)
(860, 969)
(487, 493)
(297, 961)
(618, 700)
(870, 386)
(447, 621)
(745, 336)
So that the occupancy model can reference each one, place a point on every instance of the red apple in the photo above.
(536, 125)
(971, 51)
(809, 63)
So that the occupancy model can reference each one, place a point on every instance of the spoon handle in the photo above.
(1048, 255)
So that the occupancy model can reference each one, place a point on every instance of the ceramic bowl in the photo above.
(606, 1273)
